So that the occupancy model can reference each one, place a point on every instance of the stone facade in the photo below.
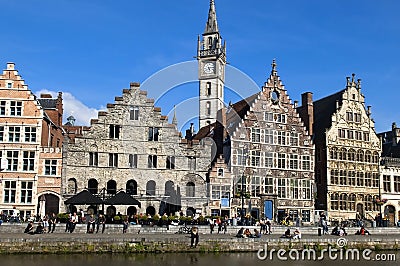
(132, 147)
(390, 175)
(347, 154)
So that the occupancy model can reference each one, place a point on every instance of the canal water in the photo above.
(199, 259)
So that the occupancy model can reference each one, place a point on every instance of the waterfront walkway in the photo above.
(162, 239)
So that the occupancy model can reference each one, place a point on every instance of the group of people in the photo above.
(222, 225)
(92, 223)
(246, 233)
(296, 234)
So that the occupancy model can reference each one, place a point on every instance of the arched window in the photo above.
(334, 153)
(111, 187)
(342, 154)
(368, 156)
(93, 186)
(151, 188)
(131, 187)
(208, 108)
(368, 203)
(360, 156)
(343, 201)
(334, 201)
(190, 189)
(351, 155)
(352, 202)
(220, 172)
(169, 188)
(71, 187)
(375, 157)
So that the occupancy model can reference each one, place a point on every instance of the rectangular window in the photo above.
(305, 216)
(306, 162)
(269, 136)
(153, 133)
(366, 136)
(241, 157)
(293, 161)
(133, 160)
(50, 167)
(281, 188)
(294, 139)
(281, 161)
(386, 183)
(357, 117)
(26, 191)
(334, 177)
(255, 158)
(396, 183)
(350, 134)
(281, 137)
(368, 179)
(352, 178)
(294, 188)
(2, 108)
(113, 159)
(30, 134)
(134, 113)
(1, 133)
(255, 186)
(342, 133)
(208, 88)
(255, 135)
(170, 162)
(215, 192)
(14, 134)
(281, 118)
(269, 185)
(28, 161)
(12, 157)
(269, 159)
(15, 108)
(192, 163)
(306, 189)
(152, 161)
(114, 131)
(269, 117)
(10, 190)
(93, 158)
(349, 116)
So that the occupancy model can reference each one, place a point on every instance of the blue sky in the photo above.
(91, 50)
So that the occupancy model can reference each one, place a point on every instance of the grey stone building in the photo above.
(132, 147)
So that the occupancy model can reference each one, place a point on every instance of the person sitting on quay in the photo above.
(363, 231)
(247, 233)
(39, 229)
(29, 228)
(256, 234)
(286, 234)
(296, 234)
(240, 233)
(91, 222)
(101, 220)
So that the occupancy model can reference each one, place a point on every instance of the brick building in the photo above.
(31, 140)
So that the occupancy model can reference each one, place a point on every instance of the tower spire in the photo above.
(211, 25)
(174, 120)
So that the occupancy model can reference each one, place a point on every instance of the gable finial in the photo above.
(274, 72)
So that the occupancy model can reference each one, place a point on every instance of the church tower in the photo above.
(211, 55)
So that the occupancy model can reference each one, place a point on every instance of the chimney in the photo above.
(306, 111)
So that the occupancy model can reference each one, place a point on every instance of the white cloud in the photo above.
(74, 107)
